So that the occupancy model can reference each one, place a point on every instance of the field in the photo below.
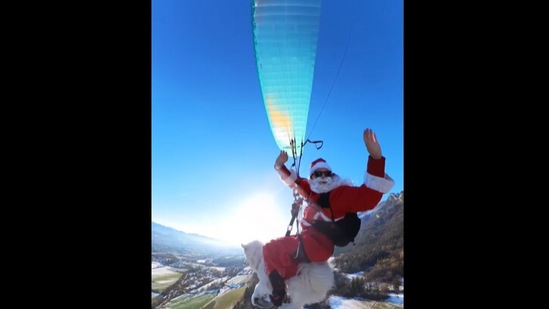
(190, 303)
(227, 300)
(163, 277)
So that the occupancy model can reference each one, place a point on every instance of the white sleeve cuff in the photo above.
(379, 184)
(290, 180)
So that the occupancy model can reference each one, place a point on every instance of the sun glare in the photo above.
(259, 217)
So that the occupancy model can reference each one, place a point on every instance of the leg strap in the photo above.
(300, 254)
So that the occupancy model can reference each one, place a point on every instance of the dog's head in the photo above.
(254, 253)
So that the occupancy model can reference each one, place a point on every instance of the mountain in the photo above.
(379, 246)
(166, 239)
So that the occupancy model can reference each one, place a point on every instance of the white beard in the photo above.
(326, 184)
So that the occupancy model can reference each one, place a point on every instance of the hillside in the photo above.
(379, 247)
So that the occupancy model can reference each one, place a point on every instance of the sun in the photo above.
(258, 217)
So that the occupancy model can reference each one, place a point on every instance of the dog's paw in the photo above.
(262, 302)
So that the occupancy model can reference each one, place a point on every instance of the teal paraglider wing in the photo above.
(285, 34)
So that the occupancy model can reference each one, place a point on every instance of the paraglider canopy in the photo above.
(285, 34)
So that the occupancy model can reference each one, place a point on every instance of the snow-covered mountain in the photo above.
(383, 207)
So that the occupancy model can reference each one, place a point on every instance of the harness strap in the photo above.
(296, 205)
(300, 254)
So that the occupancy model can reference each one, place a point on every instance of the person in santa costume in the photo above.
(280, 254)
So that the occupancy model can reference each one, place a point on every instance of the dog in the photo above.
(309, 286)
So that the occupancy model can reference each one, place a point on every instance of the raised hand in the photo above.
(281, 159)
(373, 147)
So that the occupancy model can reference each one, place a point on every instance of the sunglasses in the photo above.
(318, 174)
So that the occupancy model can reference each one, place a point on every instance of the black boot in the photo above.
(279, 288)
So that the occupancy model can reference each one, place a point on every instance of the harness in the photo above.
(300, 254)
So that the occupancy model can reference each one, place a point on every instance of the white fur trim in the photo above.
(379, 184)
(320, 165)
(321, 215)
(290, 180)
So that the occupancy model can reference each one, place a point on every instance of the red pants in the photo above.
(279, 253)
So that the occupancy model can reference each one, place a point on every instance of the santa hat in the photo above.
(319, 163)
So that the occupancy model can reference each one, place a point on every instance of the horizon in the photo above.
(238, 244)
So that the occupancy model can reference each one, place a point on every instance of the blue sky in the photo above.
(212, 146)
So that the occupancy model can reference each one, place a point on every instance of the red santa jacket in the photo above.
(343, 199)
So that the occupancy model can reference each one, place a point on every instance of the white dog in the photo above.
(309, 286)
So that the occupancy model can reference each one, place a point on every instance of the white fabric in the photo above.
(290, 180)
(318, 165)
(379, 184)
